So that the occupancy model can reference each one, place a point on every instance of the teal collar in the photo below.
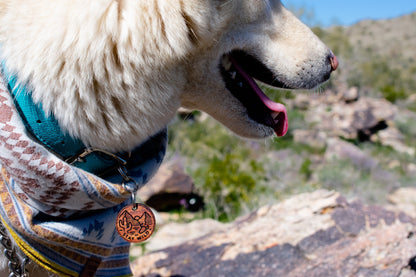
(46, 130)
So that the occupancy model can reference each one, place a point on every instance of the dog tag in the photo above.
(135, 223)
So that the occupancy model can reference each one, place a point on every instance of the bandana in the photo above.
(61, 216)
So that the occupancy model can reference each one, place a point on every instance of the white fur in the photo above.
(114, 72)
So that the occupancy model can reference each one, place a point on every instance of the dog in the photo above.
(111, 74)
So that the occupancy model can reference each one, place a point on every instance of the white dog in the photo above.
(112, 74)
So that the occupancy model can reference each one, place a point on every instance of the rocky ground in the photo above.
(321, 233)
(312, 234)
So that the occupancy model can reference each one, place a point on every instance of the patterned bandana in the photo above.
(59, 215)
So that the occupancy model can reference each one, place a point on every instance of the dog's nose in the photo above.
(334, 62)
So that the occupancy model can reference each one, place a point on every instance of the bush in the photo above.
(392, 93)
(379, 75)
(228, 184)
(222, 166)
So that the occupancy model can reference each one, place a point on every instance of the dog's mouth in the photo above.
(239, 71)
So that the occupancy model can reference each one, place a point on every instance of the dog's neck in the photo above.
(46, 130)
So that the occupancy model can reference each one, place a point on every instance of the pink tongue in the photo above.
(280, 128)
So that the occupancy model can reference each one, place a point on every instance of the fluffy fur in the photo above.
(114, 72)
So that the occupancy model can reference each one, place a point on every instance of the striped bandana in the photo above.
(61, 216)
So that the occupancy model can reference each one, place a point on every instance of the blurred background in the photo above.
(355, 134)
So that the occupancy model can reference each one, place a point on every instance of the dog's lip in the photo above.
(278, 111)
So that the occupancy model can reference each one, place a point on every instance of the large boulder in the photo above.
(170, 178)
(404, 199)
(346, 115)
(171, 189)
(355, 120)
(312, 234)
(341, 149)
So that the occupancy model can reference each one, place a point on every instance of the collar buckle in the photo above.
(80, 157)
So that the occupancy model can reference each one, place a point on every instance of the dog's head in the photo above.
(259, 40)
(114, 72)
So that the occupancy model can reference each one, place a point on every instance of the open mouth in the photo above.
(239, 71)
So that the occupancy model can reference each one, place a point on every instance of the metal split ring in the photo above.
(129, 184)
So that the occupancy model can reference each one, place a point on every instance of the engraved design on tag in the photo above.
(135, 223)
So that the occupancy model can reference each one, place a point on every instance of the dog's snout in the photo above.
(334, 61)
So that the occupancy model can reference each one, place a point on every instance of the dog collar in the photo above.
(46, 130)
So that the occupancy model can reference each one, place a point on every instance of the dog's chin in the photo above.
(263, 117)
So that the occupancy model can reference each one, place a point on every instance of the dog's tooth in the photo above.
(233, 74)
(226, 63)
(275, 116)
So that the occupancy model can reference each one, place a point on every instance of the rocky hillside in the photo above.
(386, 38)
(376, 55)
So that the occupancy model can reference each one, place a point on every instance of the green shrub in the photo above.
(223, 167)
(377, 74)
(228, 184)
(392, 93)
(305, 169)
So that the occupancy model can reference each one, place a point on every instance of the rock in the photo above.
(345, 114)
(350, 95)
(171, 178)
(393, 138)
(411, 170)
(404, 199)
(338, 148)
(356, 120)
(173, 233)
(411, 99)
(171, 189)
(302, 101)
(313, 234)
(308, 101)
(314, 138)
